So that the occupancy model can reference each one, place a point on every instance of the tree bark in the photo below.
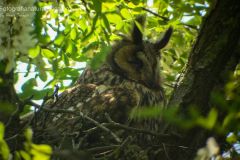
(215, 47)
(8, 108)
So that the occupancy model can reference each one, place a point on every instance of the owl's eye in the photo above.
(137, 63)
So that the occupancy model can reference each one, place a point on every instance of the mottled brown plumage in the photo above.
(129, 78)
(132, 65)
(131, 60)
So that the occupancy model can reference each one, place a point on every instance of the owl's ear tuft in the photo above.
(137, 35)
(164, 41)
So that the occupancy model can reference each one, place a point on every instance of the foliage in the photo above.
(70, 34)
(4, 150)
(31, 152)
(223, 117)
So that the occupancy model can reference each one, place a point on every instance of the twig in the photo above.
(167, 19)
(33, 116)
(169, 85)
(165, 138)
(117, 139)
(102, 148)
(127, 141)
(34, 104)
(101, 126)
(155, 14)
(165, 151)
(86, 6)
(190, 26)
(12, 137)
(118, 125)
(70, 154)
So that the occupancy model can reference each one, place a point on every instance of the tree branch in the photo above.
(216, 43)
(80, 114)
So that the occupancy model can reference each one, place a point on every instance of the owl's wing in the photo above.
(91, 100)
(116, 101)
(96, 100)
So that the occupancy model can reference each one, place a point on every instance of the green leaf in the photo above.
(73, 33)
(196, 20)
(25, 155)
(66, 31)
(115, 19)
(47, 53)
(39, 94)
(34, 52)
(27, 109)
(10, 66)
(55, 65)
(44, 39)
(232, 138)
(28, 85)
(7, 108)
(94, 22)
(17, 155)
(209, 121)
(146, 112)
(228, 120)
(43, 75)
(28, 134)
(90, 46)
(2, 131)
(136, 2)
(100, 57)
(212, 117)
(4, 149)
(186, 8)
(59, 40)
(125, 13)
(68, 73)
(41, 152)
(69, 47)
(65, 59)
(42, 148)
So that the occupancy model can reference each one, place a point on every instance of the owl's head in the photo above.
(138, 60)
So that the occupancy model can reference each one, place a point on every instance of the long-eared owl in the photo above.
(132, 65)
(130, 77)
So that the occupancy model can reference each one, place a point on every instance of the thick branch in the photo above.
(8, 108)
(214, 48)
